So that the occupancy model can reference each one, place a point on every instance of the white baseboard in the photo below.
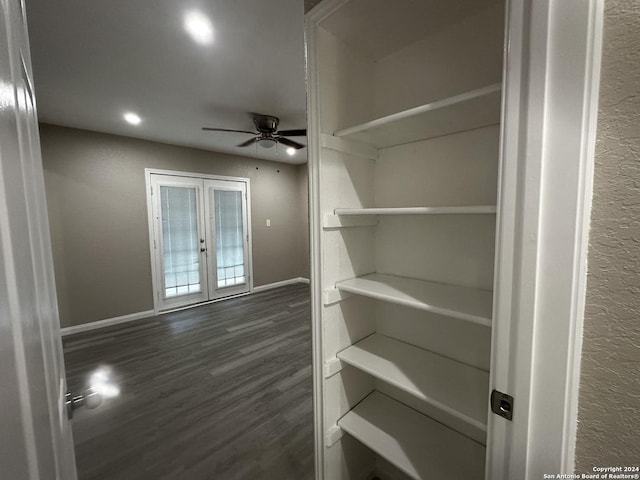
(281, 283)
(208, 302)
(85, 327)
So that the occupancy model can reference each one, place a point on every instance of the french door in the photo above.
(200, 238)
(226, 220)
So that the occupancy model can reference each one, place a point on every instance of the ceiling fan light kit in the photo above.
(267, 134)
(266, 142)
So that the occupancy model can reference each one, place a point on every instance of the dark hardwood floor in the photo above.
(221, 391)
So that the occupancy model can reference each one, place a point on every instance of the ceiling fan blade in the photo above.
(290, 143)
(302, 132)
(248, 142)
(227, 130)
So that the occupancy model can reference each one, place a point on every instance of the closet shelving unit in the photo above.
(470, 304)
(412, 442)
(424, 375)
(407, 175)
(337, 219)
(417, 210)
(466, 111)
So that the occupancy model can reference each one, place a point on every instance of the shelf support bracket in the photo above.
(333, 434)
(331, 367)
(333, 295)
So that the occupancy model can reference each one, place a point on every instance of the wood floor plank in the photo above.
(221, 391)
(262, 322)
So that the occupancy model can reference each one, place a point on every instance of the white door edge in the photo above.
(547, 154)
(37, 438)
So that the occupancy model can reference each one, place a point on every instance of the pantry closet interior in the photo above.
(405, 109)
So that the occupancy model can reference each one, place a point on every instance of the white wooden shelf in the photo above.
(416, 444)
(363, 217)
(465, 303)
(453, 387)
(473, 109)
(457, 210)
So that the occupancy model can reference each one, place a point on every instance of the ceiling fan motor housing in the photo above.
(266, 123)
(267, 135)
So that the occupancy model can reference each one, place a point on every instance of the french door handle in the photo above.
(203, 249)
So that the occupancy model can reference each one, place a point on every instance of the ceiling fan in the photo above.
(267, 134)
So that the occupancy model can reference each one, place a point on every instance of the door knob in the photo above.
(89, 399)
(203, 249)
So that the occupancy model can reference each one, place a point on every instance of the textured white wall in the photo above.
(609, 404)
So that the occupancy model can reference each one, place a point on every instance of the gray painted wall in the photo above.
(609, 403)
(97, 208)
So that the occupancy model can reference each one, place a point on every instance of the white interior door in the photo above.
(36, 435)
(179, 240)
(227, 227)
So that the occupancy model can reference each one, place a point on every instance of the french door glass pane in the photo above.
(180, 239)
(229, 238)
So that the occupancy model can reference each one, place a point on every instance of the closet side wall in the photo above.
(346, 92)
(462, 57)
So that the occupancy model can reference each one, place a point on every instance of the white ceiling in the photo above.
(94, 60)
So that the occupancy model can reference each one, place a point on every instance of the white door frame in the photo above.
(550, 96)
(155, 269)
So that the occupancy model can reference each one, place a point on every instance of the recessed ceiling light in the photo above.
(199, 27)
(132, 118)
(291, 151)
